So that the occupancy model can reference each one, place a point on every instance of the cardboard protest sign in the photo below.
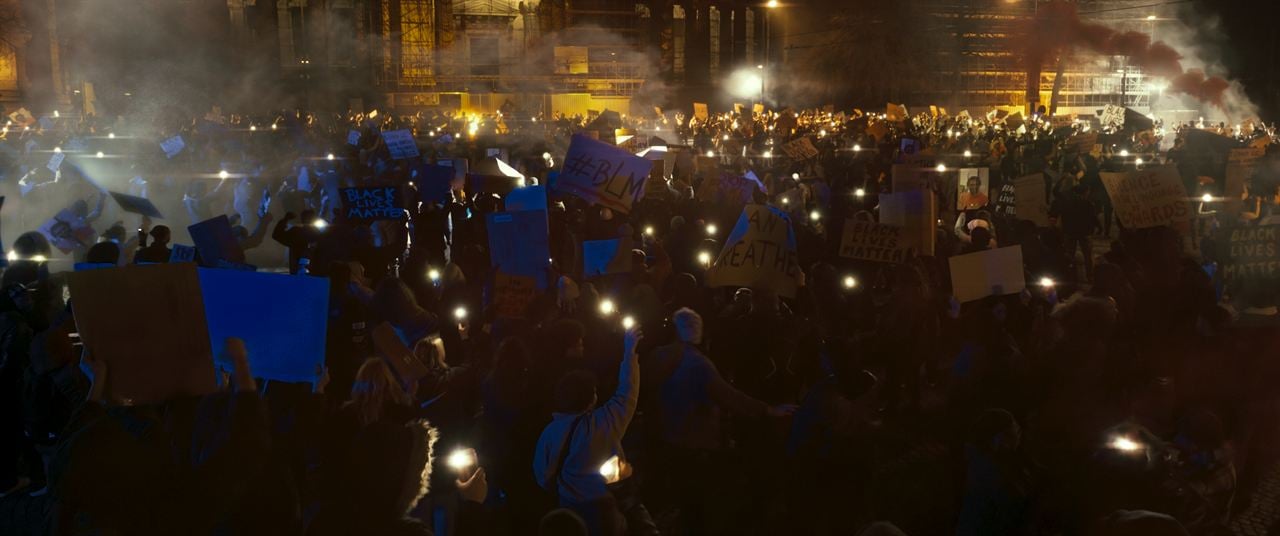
(876, 242)
(172, 146)
(400, 144)
(55, 161)
(895, 112)
(1081, 143)
(527, 198)
(22, 117)
(281, 318)
(757, 109)
(353, 138)
(67, 231)
(1007, 201)
(603, 257)
(603, 174)
(974, 187)
(994, 272)
(372, 203)
(404, 364)
(907, 177)
(656, 187)
(726, 189)
(800, 149)
(1030, 202)
(1241, 165)
(700, 111)
(916, 211)
(137, 205)
(494, 176)
(1250, 256)
(1112, 115)
(181, 253)
(155, 348)
(434, 183)
(512, 295)
(518, 244)
(216, 242)
(759, 253)
(1149, 198)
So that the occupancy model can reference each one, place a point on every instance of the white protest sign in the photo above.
(181, 253)
(172, 146)
(400, 144)
(603, 174)
(1112, 115)
(55, 161)
(994, 272)
(801, 149)
(759, 253)
(877, 242)
(1149, 198)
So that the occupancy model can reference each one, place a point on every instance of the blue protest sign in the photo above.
(602, 257)
(372, 203)
(603, 174)
(215, 241)
(518, 244)
(281, 318)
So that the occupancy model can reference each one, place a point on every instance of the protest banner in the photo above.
(916, 211)
(181, 253)
(973, 189)
(68, 231)
(1149, 198)
(726, 189)
(1081, 143)
(400, 144)
(137, 205)
(800, 149)
(603, 257)
(55, 161)
(994, 272)
(1250, 256)
(216, 242)
(172, 146)
(1112, 115)
(603, 174)
(353, 138)
(700, 111)
(281, 318)
(759, 253)
(372, 203)
(518, 244)
(1029, 195)
(176, 359)
(512, 295)
(404, 364)
(876, 242)
(434, 183)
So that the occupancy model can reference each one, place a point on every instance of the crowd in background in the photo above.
(1129, 396)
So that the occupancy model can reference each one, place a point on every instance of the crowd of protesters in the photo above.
(1128, 395)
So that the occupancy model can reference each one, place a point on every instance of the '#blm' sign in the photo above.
(373, 203)
(876, 242)
(603, 174)
(760, 253)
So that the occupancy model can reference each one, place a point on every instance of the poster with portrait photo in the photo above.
(973, 192)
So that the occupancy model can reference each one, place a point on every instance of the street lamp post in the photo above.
(768, 46)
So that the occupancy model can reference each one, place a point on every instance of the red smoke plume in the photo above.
(1058, 27)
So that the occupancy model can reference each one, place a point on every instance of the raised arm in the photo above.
(616, 414)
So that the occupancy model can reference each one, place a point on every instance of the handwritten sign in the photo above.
(372, 203)
(512, 295)
(726, 189)
(1112, 115)
(1149, 198)
(800, 149)
(400, 144)
(874, 242)
(172, 146)
(603, 174)
(68, 231)
(759, 253)
(1029, 195)
(1251, 254)
(700, 111)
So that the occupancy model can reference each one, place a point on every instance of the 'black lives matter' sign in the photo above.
(372, 203)
(1252, 253)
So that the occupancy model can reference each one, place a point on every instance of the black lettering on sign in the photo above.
(372, 203)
